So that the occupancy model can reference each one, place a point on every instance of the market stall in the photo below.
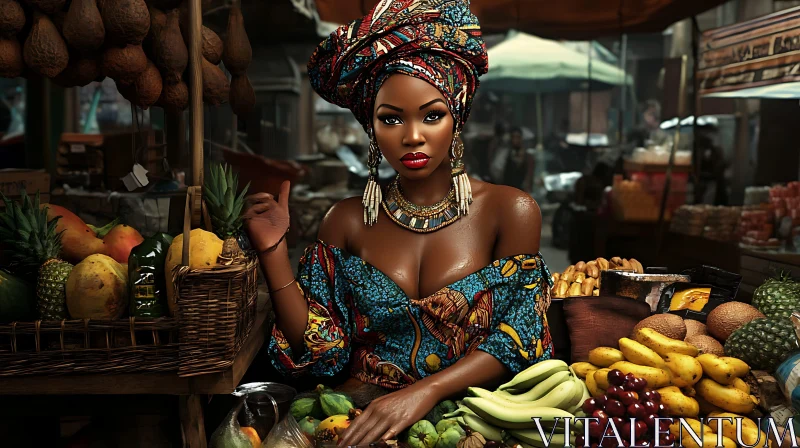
(105, 310)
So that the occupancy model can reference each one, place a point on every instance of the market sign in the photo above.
(756, 53)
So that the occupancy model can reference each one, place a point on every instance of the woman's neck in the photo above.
(430, 190)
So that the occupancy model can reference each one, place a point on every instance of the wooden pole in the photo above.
(196, 89)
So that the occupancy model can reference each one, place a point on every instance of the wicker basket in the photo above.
(216, 306)
(88, 346)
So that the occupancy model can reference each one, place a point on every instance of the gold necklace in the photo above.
(419, 218)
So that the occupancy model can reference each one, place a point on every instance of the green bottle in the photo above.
(148, 295)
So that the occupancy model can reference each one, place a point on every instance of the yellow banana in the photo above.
(728, 398)
(662, 344)
(677, 404)
(601, 378)
(591, 384)
(740, 368)
(686, 371)
(741, 385)
(716, 368)
(605, 356)
(582, 369)
(751, 435)
(638, 353)
(706, 407)
(656, 378)
(703, 432)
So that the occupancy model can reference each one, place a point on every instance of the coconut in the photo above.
(11, 64)
(45, 52)
(706, 344)
(124, 64)
(215, 85)
(694, 328)
(723, 320)
(242, 96)
(12, 18)
(670, 325)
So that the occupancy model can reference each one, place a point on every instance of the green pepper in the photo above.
(148, 295)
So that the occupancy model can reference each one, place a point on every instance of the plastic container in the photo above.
(262, 402)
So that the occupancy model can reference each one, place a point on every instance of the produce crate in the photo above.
(14, 181)
(216, 306)
(88, 346)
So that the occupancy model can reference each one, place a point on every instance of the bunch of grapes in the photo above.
(625, 397)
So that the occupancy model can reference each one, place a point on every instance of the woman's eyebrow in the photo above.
(429, 103)
(389, 106)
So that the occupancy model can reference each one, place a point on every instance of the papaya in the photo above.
(331, 428)
(335, 403)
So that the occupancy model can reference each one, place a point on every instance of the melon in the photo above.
(670, 325)
(695, 328)
(723, 320)
(706, 344)
(97, 288)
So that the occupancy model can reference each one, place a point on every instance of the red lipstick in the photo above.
(415, 160)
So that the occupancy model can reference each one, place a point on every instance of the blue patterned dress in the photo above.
(358, 316)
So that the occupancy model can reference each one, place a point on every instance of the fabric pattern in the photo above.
(358, 316)
(438, 41)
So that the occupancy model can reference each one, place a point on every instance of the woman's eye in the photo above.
(391, 120)
(433, 116)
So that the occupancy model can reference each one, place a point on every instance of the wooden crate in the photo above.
(14, 181)
(757, 267)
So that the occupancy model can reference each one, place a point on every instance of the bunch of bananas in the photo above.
(690, 383)
(583, 278)
(547, 390)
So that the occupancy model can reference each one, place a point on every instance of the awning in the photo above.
(759, 58)
(566, 19)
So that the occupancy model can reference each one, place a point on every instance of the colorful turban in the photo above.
(438, 41)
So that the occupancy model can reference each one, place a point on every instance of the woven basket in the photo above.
(88, 346)
(216, 306)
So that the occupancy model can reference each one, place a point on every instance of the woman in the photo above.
(434, 285)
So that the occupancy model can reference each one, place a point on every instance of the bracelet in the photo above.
(275, 246)
(283, 287)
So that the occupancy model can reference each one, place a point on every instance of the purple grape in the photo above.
(615, 408)
(616, 378)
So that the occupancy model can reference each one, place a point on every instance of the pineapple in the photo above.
(778, 297)
(763, 343)
(33, 246)
(225, 209)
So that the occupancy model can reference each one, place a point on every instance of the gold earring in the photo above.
(372, 194)
(463, 189)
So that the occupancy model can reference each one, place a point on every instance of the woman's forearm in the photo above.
(288, 303)
(478, 369)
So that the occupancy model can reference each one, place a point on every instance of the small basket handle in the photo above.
(194, 211)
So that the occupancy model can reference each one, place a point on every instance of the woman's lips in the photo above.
(415, 160)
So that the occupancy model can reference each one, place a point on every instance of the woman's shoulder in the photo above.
(507, 202)
(516, 216)
(344, 218)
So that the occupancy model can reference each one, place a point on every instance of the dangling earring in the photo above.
(463, 189)
(372, 194)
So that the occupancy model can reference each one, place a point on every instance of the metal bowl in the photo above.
(645, 287)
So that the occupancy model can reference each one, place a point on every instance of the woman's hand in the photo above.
(266, 220)
(386, 417)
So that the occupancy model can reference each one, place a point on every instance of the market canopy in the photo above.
(527, 64)
(566, 19)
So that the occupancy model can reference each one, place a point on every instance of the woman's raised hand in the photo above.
(267, 220)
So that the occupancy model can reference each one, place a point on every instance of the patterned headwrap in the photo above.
(438, 41)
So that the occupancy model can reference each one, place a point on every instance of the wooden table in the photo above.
(189, 389)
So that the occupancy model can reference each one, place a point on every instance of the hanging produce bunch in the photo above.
(142, 46)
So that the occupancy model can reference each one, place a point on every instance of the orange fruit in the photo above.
(252, 435)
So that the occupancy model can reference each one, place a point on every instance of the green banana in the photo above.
(560, 397)
(513, 418)
(533, 438)
(488, 431)
(538, 391)
(585, 395)
(535, 374)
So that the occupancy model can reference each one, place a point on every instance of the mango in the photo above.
(204, 249)
(308, 425)
(335, 403)
(97, 288)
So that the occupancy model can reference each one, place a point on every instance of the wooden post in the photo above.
(192, 421)
(196, 89)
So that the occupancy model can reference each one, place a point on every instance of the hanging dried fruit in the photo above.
(45, 51)
(79, 72)
(215, 85)
(157, 20)
(11, 64)
(83, 26)
(126, 21)
(174, 96)
(212, 46)
(124, 64)
(165, 4)
(243, 97)
(169, 51)
(145, 91)
(238, 53)
(12, 18)
(48, 6)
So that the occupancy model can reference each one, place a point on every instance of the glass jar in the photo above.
(262, 402)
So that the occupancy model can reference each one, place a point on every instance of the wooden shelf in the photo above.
(649, 168)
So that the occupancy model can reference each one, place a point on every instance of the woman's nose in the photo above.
(413, 137)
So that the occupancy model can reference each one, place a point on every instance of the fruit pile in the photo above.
(141, 45)
(583, 278)
(80, 271)
(547, 390)
(688, 383)
(625, 398)
(325, 415)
